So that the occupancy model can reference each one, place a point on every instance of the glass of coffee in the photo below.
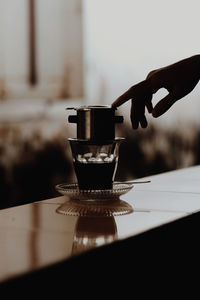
(95, 164)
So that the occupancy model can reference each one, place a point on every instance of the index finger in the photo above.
(123, 98)
(130, 93)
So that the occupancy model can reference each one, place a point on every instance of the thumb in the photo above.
(164, 104)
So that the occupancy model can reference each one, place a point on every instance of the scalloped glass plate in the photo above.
(72, 190)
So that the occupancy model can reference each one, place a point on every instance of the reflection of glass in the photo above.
(95, 208)
(91, 232)
(95, 163)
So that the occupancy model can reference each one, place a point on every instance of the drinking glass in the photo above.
(95, 163)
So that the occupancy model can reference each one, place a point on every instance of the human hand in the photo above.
(179, 79)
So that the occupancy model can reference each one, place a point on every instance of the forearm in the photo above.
(197, 58)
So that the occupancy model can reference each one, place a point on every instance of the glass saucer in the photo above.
(98, 208)
(72, 190)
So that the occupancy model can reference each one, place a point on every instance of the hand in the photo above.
(179, 79)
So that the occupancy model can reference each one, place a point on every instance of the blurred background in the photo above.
(56, 54)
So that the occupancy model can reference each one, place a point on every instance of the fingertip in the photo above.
(144, 125)
(135, 124)
(155, 114)
(115, 103)
(150, 110)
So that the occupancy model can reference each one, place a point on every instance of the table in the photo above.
(34, 236)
